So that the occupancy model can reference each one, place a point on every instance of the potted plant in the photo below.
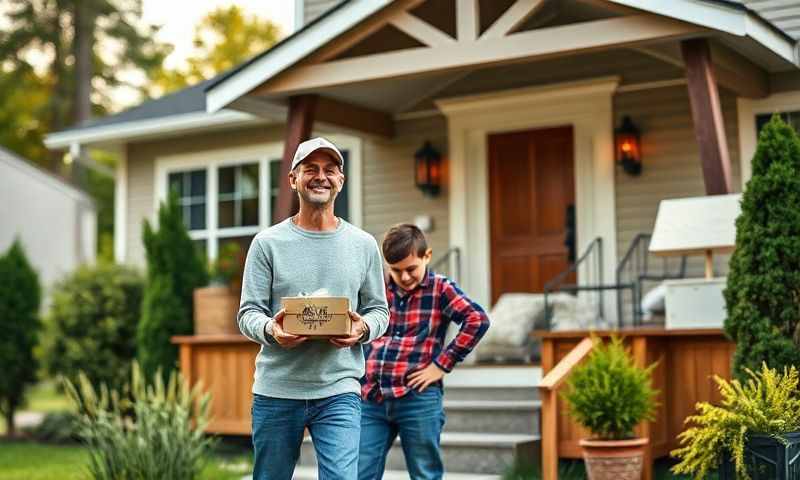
(753, 433)
(216, 305)
(609, 395)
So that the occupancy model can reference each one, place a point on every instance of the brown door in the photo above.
(531, 187)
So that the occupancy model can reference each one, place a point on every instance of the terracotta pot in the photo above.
(215, 310)
(614, 459)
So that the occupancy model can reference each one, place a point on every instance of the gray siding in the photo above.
(784, 14)
(141, 173)
(670, 158)
(314, 8)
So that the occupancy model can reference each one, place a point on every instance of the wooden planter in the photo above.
(215, 310)
(767, 458)
(614, 459)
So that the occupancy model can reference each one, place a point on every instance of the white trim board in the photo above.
(121, 207)
(153, 127)
(587, 106)
(262, 154)
(747, 109)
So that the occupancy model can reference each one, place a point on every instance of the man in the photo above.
(300, 382)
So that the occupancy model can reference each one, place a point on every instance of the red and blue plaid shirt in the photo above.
(418, 322)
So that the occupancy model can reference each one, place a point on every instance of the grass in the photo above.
(21, 460)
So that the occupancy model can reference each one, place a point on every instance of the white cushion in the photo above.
(654, 301)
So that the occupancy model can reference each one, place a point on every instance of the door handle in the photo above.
(569, 232)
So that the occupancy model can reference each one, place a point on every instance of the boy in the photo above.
(402, 389)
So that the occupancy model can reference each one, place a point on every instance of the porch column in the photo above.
(298, 128)
(709, 128)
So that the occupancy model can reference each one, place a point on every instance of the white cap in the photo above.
(310, 146)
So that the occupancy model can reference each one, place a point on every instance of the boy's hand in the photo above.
(357, 330)
(422, 379)
(285, 340)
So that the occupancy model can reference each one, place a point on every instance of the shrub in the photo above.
(56, 427)
(762, 291)
(149, 430)
(20, 295)
(174, 270)
(228, 267)
(608, 394)
(92, 323)
(768, 404)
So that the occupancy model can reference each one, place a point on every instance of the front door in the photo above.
(532, 198)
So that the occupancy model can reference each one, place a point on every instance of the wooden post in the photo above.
(639, 351)
(549, 416)
(298, 128)
(709, 128)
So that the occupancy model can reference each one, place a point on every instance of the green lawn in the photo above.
(21, 460)
(42, 397)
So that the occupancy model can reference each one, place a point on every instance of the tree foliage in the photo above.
(91, 326)
(763, 289)
(174, 270)
(224, 38)
(20, 295)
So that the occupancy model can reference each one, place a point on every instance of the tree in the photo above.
(174, 270)
(223, 39)
(763, 290)
(20, 295)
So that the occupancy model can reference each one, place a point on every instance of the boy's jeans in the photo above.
(418, 418)
(334, 424)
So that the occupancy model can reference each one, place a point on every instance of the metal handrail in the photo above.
(452, 252)
(557, 282)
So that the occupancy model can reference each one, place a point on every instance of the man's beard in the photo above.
(315, 199)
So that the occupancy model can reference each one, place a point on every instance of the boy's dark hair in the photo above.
(401, 241)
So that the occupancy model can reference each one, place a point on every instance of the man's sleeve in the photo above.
(372, 297)
(472, 320)
(254, 309)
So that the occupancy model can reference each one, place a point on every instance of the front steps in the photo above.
(492, 422)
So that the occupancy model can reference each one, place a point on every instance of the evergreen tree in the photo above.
(763, 290)
(174, 270)
(20, 295)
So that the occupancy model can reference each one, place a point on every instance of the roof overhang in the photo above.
(149, 129)
(716, 16)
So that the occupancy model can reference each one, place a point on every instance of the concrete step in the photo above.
(493, 383)
(492, 416)
(483, 453)
(310, 473)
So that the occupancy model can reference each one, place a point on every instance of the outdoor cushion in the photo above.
(653, 303)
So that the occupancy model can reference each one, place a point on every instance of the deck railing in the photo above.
(548, 390)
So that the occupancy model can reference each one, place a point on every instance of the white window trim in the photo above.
(212, 160)
(121, 207)
(587, 106)
(748, 109)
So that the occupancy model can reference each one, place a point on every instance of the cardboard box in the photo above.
(317, 316)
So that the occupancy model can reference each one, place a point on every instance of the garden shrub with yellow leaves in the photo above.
(767, 404)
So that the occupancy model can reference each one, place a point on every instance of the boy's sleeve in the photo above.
(255, 314)
(473, 323)
(372, 304)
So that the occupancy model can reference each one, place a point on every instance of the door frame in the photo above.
(587, 106)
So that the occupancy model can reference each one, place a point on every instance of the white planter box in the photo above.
(695, 303)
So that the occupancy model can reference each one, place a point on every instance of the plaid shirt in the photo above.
(418, 322)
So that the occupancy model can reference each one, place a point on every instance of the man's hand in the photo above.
(285, 340)
(422, 379)
(357, 330)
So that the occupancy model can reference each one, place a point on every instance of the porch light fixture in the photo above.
(627, 146)
(428, 168)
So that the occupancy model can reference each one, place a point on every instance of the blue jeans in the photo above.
(418, 418)
(334, 424)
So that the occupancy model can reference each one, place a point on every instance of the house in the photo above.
(55, 221)
(522, 97)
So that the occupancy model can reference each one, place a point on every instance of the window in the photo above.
(237, 196)
(792, 118)
(191, 190)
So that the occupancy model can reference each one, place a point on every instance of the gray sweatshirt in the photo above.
(284, 261)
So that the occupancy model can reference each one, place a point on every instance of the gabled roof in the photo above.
(43, 176)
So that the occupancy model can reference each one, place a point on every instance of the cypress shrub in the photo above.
(762, 295)
(20, 295)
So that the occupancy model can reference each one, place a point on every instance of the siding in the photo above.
(670, 158)
(314, 8)
(141, 173)
(389, 193)
(784, 14)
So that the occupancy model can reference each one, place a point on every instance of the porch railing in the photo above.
(548, 391)
(451, 259)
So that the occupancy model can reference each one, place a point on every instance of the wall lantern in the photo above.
(428, 169)
(627, 146)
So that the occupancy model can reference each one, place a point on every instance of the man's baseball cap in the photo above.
(310, 146)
